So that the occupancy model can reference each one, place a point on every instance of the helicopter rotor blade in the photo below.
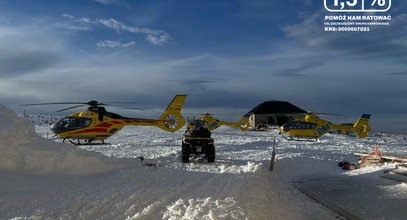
(137, 109)
(120, 106)
(91, 103)
(290, 114)
(56, 103)
(76, 106)
(119, 103)
(215, 114)
(306, 113)
(200, 113)
(330, 114)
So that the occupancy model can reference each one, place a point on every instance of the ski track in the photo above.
(237, 186)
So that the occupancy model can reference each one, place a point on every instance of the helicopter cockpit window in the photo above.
(73, 123)
(300, 125)
(197, 123)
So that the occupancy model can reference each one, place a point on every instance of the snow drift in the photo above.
(22, 150)
(237, 186)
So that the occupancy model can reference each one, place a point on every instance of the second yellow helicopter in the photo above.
(211, 123)
(313, 127)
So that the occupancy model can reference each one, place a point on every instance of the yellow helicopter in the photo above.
(312, 127)
(211, 123)
(97, 124)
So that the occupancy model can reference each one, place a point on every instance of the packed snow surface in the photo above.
(237, 186)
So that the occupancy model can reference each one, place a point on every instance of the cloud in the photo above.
(108, 2)
(74, 27)
(307, 2)
(397, 73)
(158, 39)
(28, 49)
(68, 16)
(298, 71)
(18, 62)
(153, 36)
(113, 44)
(197, 85)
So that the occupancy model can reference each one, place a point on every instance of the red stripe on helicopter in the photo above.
(144, 120)
(104, 130)
(104, 125)
(117, 122)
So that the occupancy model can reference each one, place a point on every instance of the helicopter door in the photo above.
(101, 116)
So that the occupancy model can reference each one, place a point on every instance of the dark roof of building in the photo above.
(276, 107)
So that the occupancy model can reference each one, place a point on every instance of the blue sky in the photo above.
(228, 56)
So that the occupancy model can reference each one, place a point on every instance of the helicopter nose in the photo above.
(56, 129)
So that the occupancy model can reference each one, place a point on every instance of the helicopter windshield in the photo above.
(299, 125)
(197, 123)
(70, 123)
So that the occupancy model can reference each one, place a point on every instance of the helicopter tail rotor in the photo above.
(243, 123)
(361, 127)
(171, 118)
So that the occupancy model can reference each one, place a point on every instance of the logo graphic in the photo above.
(357, 5)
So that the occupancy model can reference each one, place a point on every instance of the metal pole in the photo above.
(273, 155)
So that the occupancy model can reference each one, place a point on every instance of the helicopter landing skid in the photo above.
(297, 138)
(85, 142)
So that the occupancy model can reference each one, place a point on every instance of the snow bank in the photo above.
(22, 150)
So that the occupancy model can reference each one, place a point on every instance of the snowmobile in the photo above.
(198, 141)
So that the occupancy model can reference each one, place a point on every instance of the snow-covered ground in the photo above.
(237, 186)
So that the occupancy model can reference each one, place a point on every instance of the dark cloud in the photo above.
(19, 62)
(196, 85)
(197, 69)
(397, 73)
(299, 71)
(195, 81)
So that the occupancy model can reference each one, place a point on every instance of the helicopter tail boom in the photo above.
(171, 119)
(242, 124)
(361, 127)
